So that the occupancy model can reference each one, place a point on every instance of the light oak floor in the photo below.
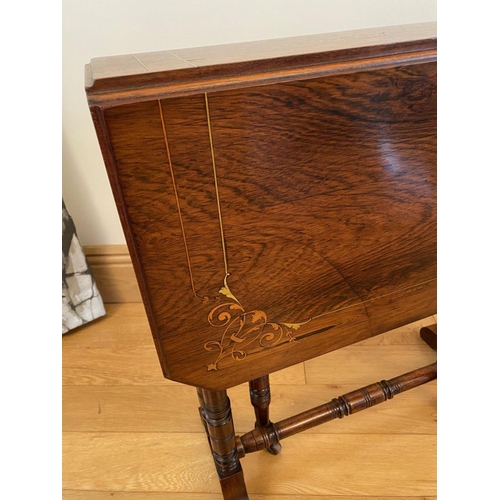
(129, 434)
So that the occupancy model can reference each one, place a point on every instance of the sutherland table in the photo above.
(279, 202)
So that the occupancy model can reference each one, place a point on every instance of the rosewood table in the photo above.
(279, 202)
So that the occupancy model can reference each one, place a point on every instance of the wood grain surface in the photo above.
(113, 495)
(149, 462)
(137, 77)
(274, 223)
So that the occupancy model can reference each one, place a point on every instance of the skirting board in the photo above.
(113, 273)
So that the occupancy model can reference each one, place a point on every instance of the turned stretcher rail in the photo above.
(352, 402)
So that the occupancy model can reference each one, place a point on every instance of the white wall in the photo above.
(93, 28)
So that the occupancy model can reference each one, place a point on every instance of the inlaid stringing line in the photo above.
(216, 185)
(176, 197)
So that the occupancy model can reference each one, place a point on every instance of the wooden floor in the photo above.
(129, 434)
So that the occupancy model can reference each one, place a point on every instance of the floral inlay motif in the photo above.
(242, 329)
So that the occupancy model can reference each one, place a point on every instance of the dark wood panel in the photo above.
(328, 191)
(146, 187)
(275, 223)
(186, 126)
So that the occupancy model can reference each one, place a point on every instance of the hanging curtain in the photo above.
(81, 301)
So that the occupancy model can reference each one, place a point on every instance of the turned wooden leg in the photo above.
(201, 409)
(429, 335)
(260, 396)
(216, 413)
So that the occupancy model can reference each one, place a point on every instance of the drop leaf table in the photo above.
(278, 200)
